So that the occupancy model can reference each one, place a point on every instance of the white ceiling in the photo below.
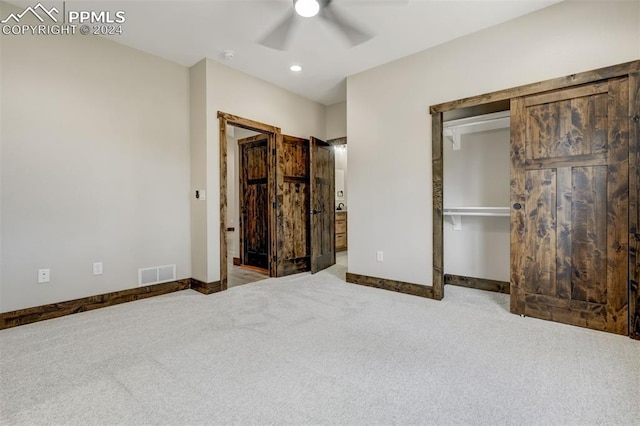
(185, 31)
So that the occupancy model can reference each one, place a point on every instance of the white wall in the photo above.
(389, 126)
(341, 166)
(2, 10)
(198, 152)
(337, 128)
(477, 175)
(232, 183)
(337, 120)
(94, 167)
(236, 93)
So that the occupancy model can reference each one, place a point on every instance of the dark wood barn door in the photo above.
(569, 213)
(322, 178)
(634, 206)
(254, 201)
(292, 206)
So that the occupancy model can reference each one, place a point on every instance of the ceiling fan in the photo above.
(280, 35)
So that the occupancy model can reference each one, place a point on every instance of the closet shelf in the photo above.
(456, 213)
(476, 211)
(454, 129)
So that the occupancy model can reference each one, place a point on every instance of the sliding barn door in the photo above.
(634, 207)
(322, 179)
(254, 201)
(292, 201)
(569, 212)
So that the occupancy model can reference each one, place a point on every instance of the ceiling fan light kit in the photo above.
(278, 37)
(306, 8)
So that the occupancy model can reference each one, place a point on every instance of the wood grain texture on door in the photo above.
(293, 203)
(254, 201)
(634, 206)
(322, 179)
(570, 205)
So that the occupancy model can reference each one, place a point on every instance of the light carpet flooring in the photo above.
(315, 350)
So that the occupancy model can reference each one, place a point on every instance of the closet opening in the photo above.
(476, 190)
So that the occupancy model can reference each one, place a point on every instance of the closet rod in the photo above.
(450, 124)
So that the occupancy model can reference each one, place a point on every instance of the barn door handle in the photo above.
(517, 206)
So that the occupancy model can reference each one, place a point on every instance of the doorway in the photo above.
(253, 202)
(341, 203)
(247, 225)
(230, 239)
(297, 176)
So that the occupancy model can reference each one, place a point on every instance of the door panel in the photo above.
(541, 205)
(634, 207)
(322, 178)
(589, 249)
(292, 200)
(569, 194)
(254, 201)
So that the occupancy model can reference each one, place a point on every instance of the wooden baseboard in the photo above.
(391, 285)
(478, 283)
(205, 288)
(56, 310)
(236, 261)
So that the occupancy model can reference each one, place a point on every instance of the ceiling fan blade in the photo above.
(278, 37)
(348, 30)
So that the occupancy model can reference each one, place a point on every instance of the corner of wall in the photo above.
(213, 188)
(336, 120)
(198, 167)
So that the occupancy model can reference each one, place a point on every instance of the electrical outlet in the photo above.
(379, 256)
(97, 268)
(44, 276)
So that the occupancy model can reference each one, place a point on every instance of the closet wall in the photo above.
(477, 175)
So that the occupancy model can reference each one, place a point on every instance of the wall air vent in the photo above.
(156, 275)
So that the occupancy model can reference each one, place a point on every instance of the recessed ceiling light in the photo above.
(295, 68)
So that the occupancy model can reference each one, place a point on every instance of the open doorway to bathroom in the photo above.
(342, 201)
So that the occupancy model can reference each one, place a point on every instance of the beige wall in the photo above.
(337, 120)
(389, 127)
(95, 167)
(240, 94)
(198, 151)
(2, 11)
